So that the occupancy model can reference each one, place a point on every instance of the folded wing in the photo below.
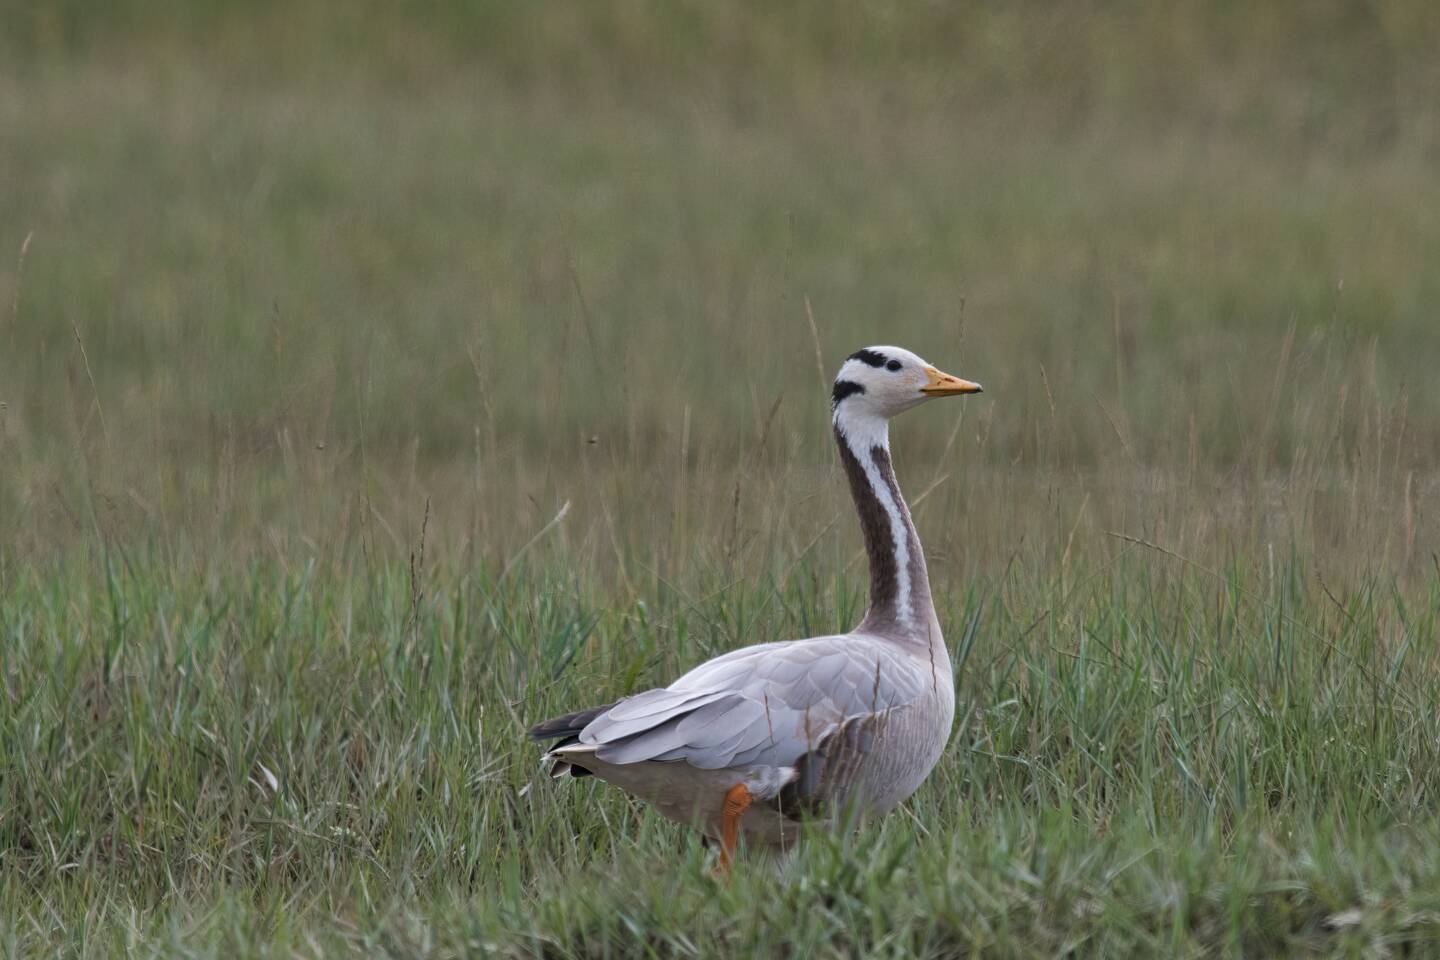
(768, 705)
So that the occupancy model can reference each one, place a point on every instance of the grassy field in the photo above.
(374, 383)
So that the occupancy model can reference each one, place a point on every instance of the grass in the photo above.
(1152, 759)
(372, 387)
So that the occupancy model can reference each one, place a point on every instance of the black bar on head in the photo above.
(843, 389)
(870, 357)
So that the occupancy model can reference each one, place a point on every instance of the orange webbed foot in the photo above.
(737, 801)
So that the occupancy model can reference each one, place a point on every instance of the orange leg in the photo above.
(737, 801)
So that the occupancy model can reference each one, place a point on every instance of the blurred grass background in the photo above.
(289, 290)
(316, 255)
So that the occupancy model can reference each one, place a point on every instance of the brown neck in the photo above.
(900, 603)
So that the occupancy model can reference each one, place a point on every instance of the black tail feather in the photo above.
(566, 729)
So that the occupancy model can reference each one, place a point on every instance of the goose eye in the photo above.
(893, 365)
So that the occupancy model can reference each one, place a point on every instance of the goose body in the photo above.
(755, 741)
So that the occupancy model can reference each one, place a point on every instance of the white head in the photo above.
(876, 383)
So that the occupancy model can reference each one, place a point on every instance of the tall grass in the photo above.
(374, 384)
(1154, 757)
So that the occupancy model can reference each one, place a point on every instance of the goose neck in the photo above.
(900, 600)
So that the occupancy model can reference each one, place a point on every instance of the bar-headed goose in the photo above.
(757, 740)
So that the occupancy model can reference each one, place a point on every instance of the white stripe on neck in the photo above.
(863, 434)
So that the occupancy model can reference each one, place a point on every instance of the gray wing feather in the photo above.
(704, 730)
(710, 754)
(607, 728)
(764, 705)
(695, 734)
(653, 702)
(667, 736)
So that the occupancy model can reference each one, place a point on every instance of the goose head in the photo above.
(877, 383)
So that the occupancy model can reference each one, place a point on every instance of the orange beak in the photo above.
(944, 385)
